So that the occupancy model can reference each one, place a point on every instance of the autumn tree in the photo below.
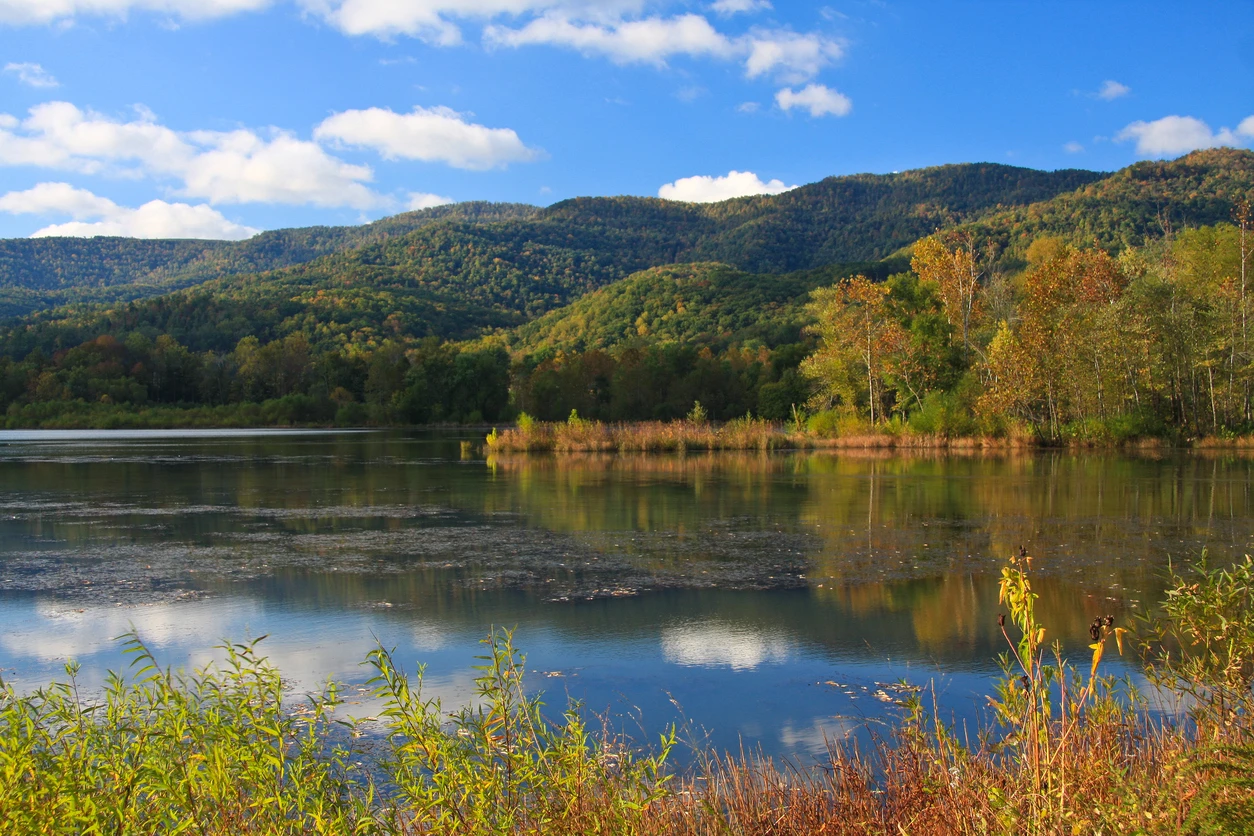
(957, 274)
(856, 335)
(1244, 216)
(1074, 354)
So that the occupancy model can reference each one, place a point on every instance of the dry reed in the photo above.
(584, 436)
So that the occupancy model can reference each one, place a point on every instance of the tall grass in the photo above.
(1069, 750)
(584, 436)
(580, 435)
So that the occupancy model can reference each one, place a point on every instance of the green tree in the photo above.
(856, 337)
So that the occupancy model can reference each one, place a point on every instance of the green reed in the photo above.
(221, 751)
(499, 766)
(224, 750)
(214, 751)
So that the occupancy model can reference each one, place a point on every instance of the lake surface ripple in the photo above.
(765, 599)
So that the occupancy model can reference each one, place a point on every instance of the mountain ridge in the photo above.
(43, 272)
(25, 287)
(457, 274)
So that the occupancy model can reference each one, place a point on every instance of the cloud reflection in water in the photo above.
(714, 643)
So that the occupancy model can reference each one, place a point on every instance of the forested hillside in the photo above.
(453, 271)
(1135, 204)
(862, 217)
(704, 304)
(38, 273)
(631, 308)
(867, 217)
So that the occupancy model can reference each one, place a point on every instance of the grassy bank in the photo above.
(820, 432)
(584, 436)
(223, 750)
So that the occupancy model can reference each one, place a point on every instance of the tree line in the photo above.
(398, 383)
(1082, 344)
(429, 381)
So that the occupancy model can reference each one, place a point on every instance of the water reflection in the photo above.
(734, 586)
(716, 643)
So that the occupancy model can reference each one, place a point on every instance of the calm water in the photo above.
(760, 598)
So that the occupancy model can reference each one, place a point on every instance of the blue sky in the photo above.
(217, 118)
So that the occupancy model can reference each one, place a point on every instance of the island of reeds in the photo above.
(1066, 749)
(982, 302)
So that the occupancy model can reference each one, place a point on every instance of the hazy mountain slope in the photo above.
(39, 273)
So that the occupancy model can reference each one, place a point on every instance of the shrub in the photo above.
(943, 414)
(213, 752)
(824, 424)
(1201, 644)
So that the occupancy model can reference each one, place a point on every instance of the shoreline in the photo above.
(746, 435)
(585, 436)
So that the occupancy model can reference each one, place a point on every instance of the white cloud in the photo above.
(1111, 90)
(1073, 147)
(748, 107)
(222, 167)
(731, 7)
(155, 219)
(705, 189)
(61, 198)
(32, 75)
(60, 135)
(241, 167)
(50, 11)
(610, 28)
(387, 18)
(435, 21)
(791, 57)
(1173, 135)
(436, 134)
(245, 166)
(423, 200)
(647, 41)
(690, 93)
(819, 99)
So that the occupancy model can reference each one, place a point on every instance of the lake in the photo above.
(770, 600)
